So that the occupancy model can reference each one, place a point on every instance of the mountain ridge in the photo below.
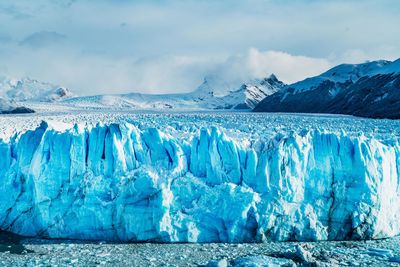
(28, 89)
(212, 94)
(370, 89)
(10, 107)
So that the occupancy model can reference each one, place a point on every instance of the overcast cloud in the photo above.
(98, 46)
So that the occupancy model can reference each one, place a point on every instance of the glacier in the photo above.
(122, 182)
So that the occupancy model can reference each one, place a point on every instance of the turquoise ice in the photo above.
(122, 182)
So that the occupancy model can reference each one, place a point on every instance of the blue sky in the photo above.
(98, 46)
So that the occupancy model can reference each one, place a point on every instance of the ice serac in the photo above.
(121, 182)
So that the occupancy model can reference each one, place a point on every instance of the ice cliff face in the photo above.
(119, 182)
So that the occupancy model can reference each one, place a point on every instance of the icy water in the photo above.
(20, 251)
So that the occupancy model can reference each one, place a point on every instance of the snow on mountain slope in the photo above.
(8, 107)
(211, 94)
(393, 68)
(342, 73)
(252, 93)
(27, 89)
(179, 183)
(215, 85)
(370, 90)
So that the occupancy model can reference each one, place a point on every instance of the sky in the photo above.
(155, 46)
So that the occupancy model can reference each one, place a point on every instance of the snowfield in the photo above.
(199, 177)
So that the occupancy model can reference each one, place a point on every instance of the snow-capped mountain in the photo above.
(341, 74)
(370, 89)
(9, 107)
(250, 94)
(213, 93)
(27, 89)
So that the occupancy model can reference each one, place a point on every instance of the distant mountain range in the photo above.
(212, 94)
(10, 107)
(370, 89)
(26, 89)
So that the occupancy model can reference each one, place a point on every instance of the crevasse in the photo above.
(119, 182)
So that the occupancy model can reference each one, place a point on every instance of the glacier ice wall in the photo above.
(119, 182)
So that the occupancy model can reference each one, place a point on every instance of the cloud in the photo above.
(169, 46)
(92, 74)
(42, 39)
(356, 55)
(13, 11)
(259, 64)
(5, 38)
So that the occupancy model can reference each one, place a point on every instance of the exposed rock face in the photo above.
(10, 107)
(367, 90)
(118, 182)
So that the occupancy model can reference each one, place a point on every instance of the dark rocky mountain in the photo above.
(10, 107)
(369, 90)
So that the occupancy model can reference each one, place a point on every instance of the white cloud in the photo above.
(356, 55)
(290, 68)
(94, 75)
(169, 46)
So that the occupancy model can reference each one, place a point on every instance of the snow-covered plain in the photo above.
(199, 177)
